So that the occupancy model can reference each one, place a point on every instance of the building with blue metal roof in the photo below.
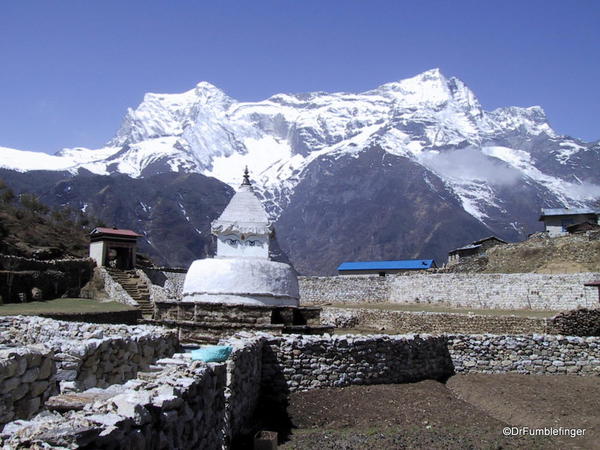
(383, 268)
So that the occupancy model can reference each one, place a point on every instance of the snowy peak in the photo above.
(429, 89)
(426, 118)
(531, 120)
(162, 115)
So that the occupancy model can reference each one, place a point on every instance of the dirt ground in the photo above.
(468, 412)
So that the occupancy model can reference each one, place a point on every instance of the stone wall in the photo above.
(344, 289)
(309, 362)
(165, 284)
(530, 354)
(27, 379)
(181, 406)
(495, 291)
(244, 374)
(130, 317)
(114, 291)
(179, 403)
(431, 322)
(90, 355)
(54, 278)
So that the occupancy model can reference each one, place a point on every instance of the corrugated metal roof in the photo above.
(567, 211)
(489, 238)
(115, 231)
(405, 264)
(466, 247)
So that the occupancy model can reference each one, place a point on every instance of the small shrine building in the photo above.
(113, 247)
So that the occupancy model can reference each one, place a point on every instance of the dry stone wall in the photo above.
(90, 355)
(165, 284)
(179, 403)
(244, 374)
(19, 277)
(114, 291)
(309, 362)
(27, 379)
(178, 406)
(495, 291)
(430, 322)
(531, 354)
(344, 289)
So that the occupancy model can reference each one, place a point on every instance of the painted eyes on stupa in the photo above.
(234, 242)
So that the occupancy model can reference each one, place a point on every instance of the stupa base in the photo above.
(199, 322)
(241, 299)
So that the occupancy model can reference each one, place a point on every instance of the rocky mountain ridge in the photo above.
(421, 153)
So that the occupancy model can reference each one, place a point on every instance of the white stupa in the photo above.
(241, 272)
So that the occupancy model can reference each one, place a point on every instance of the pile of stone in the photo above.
(399, 322)
(179, 404)
(27, 379)
(578, 322)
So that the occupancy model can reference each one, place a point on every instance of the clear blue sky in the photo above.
(70, 68)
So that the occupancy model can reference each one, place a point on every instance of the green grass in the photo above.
(61, 305)
(426, 307)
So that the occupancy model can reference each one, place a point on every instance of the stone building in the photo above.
(475, 248)
(556, 221)
(113, 247)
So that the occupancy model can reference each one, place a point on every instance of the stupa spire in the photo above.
(246, 181)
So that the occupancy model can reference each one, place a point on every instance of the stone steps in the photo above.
(136, 288)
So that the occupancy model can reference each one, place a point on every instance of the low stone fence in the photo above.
(180, 406)
(179, 403)
(90, 355)
(27, 379)
(430, 322)
(309, 362)
(19, 277)
(531, 354)
(130, 317)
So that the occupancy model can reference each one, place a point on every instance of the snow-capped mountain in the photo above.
(497, 168)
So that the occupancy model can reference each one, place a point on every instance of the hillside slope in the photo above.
(539, 254)
(31, 229)
(172, 211)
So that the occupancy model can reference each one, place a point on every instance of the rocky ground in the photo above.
(468, 412)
